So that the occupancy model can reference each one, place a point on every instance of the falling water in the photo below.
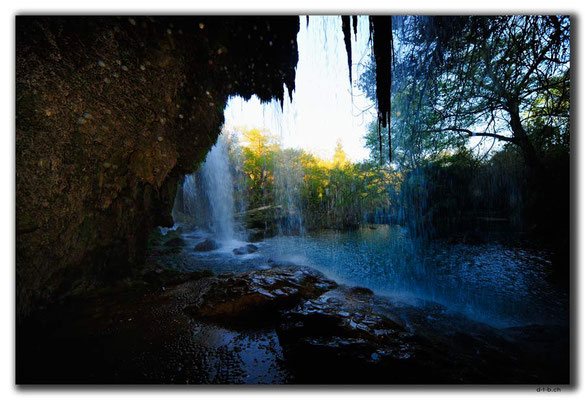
(207, 195)
(491, 281)
(288, 181)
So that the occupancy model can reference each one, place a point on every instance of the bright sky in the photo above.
(323, 109)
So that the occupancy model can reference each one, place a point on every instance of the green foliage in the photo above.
(503, 79)
(330, 193)
(447, 191)
(258, 156)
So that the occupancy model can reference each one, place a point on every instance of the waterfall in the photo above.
(288, 181)
(207, 195)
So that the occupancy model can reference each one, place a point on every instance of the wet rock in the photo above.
(257, 296)
(344, 333)
(361, 291)
(352, 336)
(255, 235)
(206, 245)
(248, 249)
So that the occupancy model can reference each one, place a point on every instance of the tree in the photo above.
(258, 165)
(308, 192)
(340, 156)
(496, 72)
(501, 78)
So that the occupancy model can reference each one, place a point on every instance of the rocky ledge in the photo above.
(257, 295)
(332, 333)
(342, 333)
(286, 324)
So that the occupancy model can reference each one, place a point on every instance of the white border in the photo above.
(10, 8)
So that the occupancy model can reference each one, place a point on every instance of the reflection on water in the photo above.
(490, 282)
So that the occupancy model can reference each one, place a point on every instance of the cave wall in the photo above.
(110, 112)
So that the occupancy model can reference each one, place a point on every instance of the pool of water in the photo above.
(491, 282)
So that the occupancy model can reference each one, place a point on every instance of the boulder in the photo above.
(206, 245)
(257, 296)
(251, 248)
(361, 291)
(349, 338)
(240, 251)
(255, 235)
(332, 334)
(248, 249)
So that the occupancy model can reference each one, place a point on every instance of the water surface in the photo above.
(492, 282)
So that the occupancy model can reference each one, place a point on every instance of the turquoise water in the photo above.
(491, 282)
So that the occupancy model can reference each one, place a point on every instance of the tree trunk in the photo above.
(531, 157)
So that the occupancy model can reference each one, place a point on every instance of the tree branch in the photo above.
(473, 134)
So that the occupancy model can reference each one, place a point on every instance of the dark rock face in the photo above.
(206, 245)
(257, 295)
(110, 112)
